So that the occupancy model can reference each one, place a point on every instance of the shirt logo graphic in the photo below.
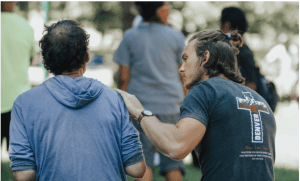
(255, 108)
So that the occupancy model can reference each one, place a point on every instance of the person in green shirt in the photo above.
(17, 49)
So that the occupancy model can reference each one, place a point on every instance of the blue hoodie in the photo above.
(72, 129)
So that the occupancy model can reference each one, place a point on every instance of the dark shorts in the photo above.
(5, 121)
(166, 163)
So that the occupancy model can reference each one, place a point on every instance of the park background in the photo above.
(272, 25)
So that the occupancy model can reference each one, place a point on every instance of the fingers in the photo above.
(123, 93)
(120, 91)
(132, 103)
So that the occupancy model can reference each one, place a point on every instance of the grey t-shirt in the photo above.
(153, 51)
(239, 142)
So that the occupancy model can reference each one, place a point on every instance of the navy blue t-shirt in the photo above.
(239, 142)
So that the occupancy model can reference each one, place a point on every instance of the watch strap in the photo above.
(144, 113)
(140, 117)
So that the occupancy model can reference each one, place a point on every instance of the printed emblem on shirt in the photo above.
(255, 108)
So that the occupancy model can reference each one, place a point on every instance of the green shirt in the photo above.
(17, 47)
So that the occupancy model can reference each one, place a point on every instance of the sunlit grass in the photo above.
(192, 174)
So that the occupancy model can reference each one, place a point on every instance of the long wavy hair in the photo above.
(223, 50)
(64, 46)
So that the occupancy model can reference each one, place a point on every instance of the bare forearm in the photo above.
(123, 85)
(136, 170)
(165, 137)
(24, 175)
(124, 77)
(174, 141)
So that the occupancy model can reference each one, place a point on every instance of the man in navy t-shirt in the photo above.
(230, 126)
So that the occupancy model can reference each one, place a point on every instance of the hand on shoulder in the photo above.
(132, 103)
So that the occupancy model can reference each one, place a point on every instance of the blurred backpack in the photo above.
(266, 89)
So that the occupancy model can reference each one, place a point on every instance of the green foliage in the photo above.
(103, 16)
(280, 16)
(283, 174)
(6, 173)
(107, 15)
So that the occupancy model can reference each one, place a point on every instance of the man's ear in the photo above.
(206, 57)
(88, 56)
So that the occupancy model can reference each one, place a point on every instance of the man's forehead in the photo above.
(190, 46)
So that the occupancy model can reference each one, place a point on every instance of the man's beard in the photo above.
(196, 77)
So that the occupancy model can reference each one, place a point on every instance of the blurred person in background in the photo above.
(17, 51)
(230, 126)
(284, 68)
(71, 127)
(233, 18)
(149, 57)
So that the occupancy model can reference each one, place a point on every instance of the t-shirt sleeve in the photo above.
(181, 45)
(131, 146)
(122, 54)
(197, 104)
(20, 152)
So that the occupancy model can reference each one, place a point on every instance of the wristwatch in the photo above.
(144, 113)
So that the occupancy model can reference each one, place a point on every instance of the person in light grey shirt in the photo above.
(149, 57)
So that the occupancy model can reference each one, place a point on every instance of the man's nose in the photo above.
(181, 69)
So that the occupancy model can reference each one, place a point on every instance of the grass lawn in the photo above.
(192, 174)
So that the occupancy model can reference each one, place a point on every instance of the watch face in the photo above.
(147, 113)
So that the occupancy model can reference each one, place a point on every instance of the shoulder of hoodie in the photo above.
(167, 28)
(35, 93)
(109, 91)
(39, 92)
(113, 95)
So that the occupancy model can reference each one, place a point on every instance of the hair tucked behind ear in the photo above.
(223, 51)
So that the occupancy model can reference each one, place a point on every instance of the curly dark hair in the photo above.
(64, 47)
(223, 51)
(148, 10)
(236, 17)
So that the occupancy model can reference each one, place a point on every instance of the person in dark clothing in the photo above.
(233, 18)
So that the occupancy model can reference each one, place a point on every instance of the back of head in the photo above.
(236, 18)
(64, 47)
(7, 6)
(148, 10)
(223, 50)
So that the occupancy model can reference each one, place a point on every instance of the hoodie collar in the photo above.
(74, 92)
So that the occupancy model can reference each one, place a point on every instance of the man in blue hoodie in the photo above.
(72, 127)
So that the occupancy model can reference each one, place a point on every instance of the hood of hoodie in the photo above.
(74, 92)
